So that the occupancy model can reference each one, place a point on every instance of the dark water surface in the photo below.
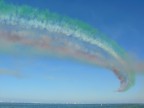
(28, 105)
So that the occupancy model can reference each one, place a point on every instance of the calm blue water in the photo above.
(22, 105)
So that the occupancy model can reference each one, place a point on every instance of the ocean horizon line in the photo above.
(70, 103)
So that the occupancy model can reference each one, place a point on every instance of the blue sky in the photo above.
(56, 80)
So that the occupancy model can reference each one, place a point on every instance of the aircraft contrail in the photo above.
(41, 31)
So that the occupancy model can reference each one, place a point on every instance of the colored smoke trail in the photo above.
(44, 32)
(9, 72)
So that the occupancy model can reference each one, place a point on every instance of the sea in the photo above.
(38, 105)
